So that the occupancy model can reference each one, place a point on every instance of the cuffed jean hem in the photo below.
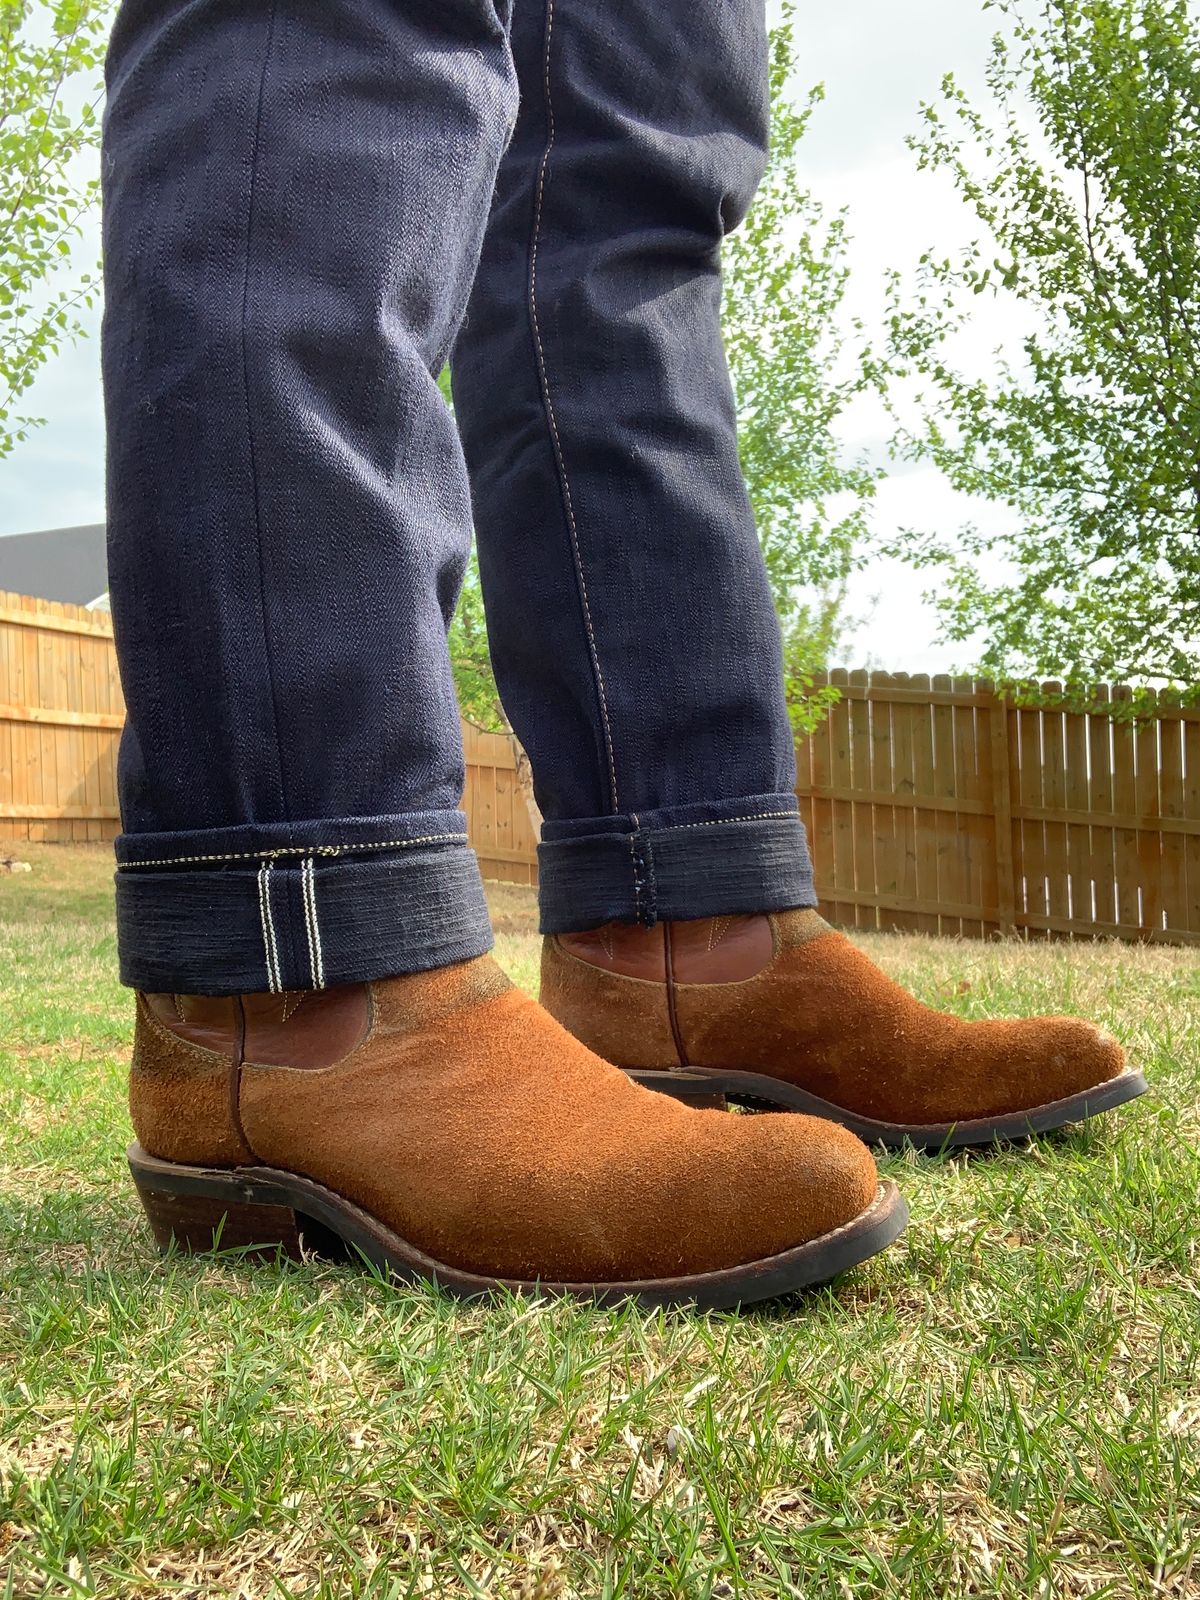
(300, 922)
(697, 861)
(255, 842)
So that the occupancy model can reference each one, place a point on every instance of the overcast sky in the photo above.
(877, 61)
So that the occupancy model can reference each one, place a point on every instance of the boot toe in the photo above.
(773, 1182)
(1076, 1055)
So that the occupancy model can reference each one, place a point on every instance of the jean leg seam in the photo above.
(641, 860)
(548, 406)
(250, 432)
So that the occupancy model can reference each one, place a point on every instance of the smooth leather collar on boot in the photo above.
(301, 1028)
(714, 950)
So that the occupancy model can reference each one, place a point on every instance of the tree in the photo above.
(50, 57)
(478, 696)
(1086, 180)
(785, 277)
(784, 282)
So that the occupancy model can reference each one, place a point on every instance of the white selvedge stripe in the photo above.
(268, 927)
(316, 961)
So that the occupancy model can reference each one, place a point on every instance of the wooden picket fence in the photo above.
(61, 714)
(936, 807)
(497, 816)
(931, 805)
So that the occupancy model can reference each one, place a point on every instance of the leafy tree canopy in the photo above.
(50, 59)
(1084, 174)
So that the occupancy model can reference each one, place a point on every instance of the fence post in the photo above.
(1006, 885)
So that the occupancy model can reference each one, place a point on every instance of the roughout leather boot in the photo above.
(446, 1127)
(782, 1009)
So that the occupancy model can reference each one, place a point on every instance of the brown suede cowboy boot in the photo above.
(447, 1128)
(780, 1008)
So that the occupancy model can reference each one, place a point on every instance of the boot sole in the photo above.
(267, 1211)
(705, 1086)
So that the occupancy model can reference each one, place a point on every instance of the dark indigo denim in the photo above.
(297, 196)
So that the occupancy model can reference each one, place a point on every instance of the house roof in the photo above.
(68, 564)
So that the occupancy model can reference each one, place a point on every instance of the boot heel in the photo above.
(200, 1209)
(696, 1092)
(201, 1223)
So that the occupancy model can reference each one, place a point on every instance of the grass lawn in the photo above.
(1007, 1403)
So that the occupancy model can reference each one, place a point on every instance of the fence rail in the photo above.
(61, 714)
(931, 805)
(935, 806)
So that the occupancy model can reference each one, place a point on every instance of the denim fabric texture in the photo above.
(297, 199)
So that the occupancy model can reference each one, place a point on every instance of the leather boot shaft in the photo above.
(189, 1050)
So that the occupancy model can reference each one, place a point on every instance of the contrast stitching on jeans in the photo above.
(268, 926)
(270, 944)
(296, 850)
(316, 961)
(568, 503)
(308, 921)
(250, 438)
(641, 855)
(720, 822)
(400, 844)
(633, 863)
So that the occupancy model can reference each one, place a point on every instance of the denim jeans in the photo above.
(310, 207)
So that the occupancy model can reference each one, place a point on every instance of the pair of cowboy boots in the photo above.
(447, 1127)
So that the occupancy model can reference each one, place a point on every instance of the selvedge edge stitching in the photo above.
(297, 850)
(402, 844)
